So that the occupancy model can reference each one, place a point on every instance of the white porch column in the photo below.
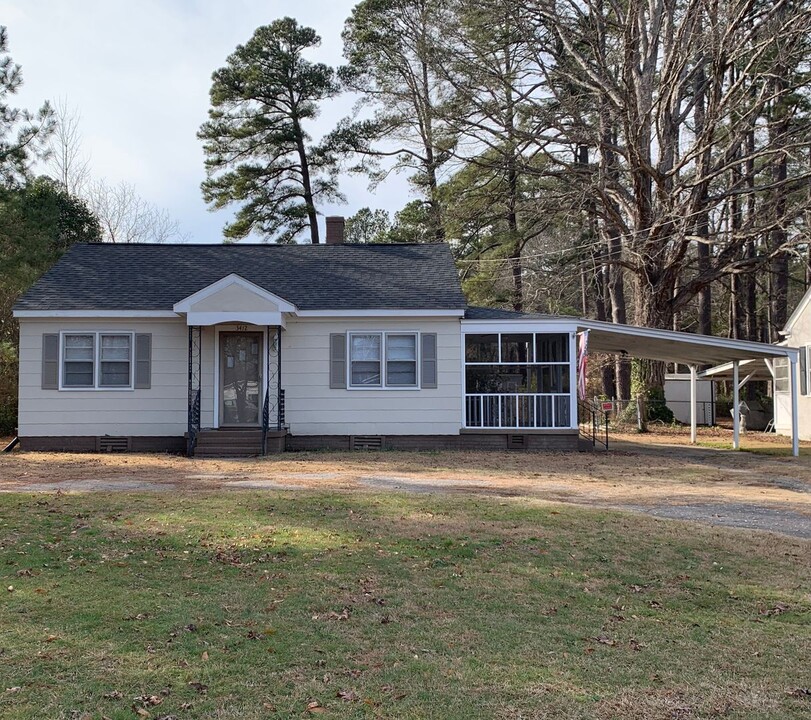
(795, 431)
(693, 403)
(736, 408)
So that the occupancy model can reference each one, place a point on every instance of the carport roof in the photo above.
(675, 346)
(641, 342)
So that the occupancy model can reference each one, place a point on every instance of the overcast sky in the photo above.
(139, 74)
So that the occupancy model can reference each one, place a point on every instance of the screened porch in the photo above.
(518, 380)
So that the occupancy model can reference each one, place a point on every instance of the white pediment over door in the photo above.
(234, 299)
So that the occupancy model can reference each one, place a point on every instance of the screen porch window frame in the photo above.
(97, 360)
(500, 341)
(383, 360)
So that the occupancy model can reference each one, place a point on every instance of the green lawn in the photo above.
(360, 605)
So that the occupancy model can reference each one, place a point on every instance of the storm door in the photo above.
(240, 379)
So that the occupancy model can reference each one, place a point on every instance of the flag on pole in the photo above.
(582, 355)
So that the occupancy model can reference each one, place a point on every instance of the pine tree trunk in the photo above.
(307, 190)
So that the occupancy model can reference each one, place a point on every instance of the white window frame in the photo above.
(383, 386)
(778, 363)
(807, 370)
(96, 387)
(570, 363)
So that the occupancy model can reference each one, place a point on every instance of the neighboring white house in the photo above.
(216, 349)
(797, 333)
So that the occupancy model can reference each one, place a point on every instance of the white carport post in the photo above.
(736, 408)
(693, 403)
(795, 431)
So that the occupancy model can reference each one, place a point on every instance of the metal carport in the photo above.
(695, 351)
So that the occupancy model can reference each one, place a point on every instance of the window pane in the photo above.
(516, 348)
(365, 373)
(78, 347)
(77, 374)
(115, 374)
(115, 347)
(401, 372)
(481, 348)
(551, 347)
(781, 378)
(553, 379)
(562, 418)
(401, 347)
(500, 379)
(365, 347)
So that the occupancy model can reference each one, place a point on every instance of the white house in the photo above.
(797, 333)
(218, 349)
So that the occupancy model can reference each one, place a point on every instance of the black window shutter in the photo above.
(337, 360)
(50, 361)
(143, 361)
(428, 374)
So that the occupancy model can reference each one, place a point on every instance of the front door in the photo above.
(240, 378)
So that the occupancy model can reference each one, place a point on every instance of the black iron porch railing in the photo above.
(266, 420)
(592, 423)
(273, 407)
(194, 387)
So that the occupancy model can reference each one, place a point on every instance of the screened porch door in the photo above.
(240, 379)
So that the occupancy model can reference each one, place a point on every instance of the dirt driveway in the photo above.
(650, 474)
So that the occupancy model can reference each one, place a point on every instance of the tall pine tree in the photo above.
(258, 151)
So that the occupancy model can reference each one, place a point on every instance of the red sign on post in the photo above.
(608, 406)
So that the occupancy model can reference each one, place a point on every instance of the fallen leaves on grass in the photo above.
(604, 640)
(775, 610)
(314, 707)
(347, 695)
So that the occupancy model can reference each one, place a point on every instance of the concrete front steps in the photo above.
(237, 442)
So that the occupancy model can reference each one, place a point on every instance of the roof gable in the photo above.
(798, 311)
(233, 293)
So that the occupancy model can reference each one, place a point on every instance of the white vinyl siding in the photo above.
(160, 410)
(313, 408)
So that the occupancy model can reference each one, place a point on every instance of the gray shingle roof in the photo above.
(485, 313)
(313, 277)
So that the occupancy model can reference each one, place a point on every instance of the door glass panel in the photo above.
(240, 378)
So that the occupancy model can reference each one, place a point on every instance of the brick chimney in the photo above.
(335, 230)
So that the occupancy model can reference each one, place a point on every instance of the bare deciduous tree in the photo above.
(68, 163)
(669, 97)
(126, 217)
